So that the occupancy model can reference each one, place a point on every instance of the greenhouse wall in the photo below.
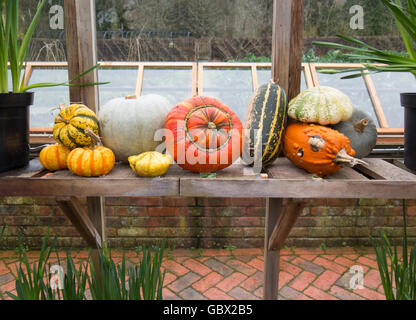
(209, 222)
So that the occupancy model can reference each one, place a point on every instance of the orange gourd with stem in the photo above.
(54, 157)
(91, 161)
(318, 149)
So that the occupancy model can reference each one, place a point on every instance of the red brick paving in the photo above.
(223, 275)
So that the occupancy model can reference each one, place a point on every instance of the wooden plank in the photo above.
(290, 214)
(271, 257)
(200, 79)
(347, 173)
(287, 45)
(92, 187)
(194, 79)
(81, 44)
(282, 168)
(376, 101)
(33, 168)
(28, 73)
(79, 218)
(308, 75)
(383, 170)
(139, 84)
(254, 78)
(299, 189)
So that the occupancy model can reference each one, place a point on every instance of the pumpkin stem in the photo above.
(344, 157)
(131, 97)
(212, 125)
(95, 139)
(360, 125)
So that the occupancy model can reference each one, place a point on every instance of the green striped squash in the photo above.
(265, 124)
(323, 105)
(70, 125)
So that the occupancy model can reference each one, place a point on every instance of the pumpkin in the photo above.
(128, 125)
(362, 132)
(265, 124)
(92, 161)
(203, 135)
(54, 157)
(323, 105)
(319, 150)
(150, 164)
(71, 123)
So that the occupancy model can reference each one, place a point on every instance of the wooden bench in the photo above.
(286, 188)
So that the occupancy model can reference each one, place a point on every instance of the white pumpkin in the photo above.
(323, 105)
(128, 125)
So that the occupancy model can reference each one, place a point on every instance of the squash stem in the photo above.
(344, 157)
(360, 125)
(95, 139)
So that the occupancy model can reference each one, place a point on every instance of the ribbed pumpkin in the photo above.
(71, 123)
(150, 164)
(318, 149)
(265, 124)
(92, 161)
(54, 157)
(128, 125)
(362, 132)
(203, 135)
(323, 105)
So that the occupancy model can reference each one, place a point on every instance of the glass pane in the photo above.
(47, 98)
(174, 84)
(389, 85)
(122, 83)
(233, 87)
(356, 89)
(264, 76)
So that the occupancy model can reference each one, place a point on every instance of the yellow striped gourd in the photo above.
(265, 124)
(71, 123)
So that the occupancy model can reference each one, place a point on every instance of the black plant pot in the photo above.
(408, 101)
(14, 130)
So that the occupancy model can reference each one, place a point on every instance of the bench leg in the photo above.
(271, 257)
(96, 213)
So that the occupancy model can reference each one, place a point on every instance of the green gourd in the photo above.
(362, 132)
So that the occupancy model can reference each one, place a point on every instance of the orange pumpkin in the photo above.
(318, 149)
(54, 157)
(91, 162)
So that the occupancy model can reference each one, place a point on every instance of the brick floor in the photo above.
(224, 275)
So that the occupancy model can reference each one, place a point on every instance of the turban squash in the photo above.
(319, 150)
(203, 135)
(71, 123)
(323, 105)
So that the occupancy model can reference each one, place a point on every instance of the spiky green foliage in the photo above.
(398, 274)
(382, 60)
(14, 51)
(139, 282)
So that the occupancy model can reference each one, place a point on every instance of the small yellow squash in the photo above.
(150, 164)
(54, 157)
(92, 161)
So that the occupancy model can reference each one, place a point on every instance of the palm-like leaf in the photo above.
(379, 60)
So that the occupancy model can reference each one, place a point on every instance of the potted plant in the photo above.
(14, 105)
(385, 61)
